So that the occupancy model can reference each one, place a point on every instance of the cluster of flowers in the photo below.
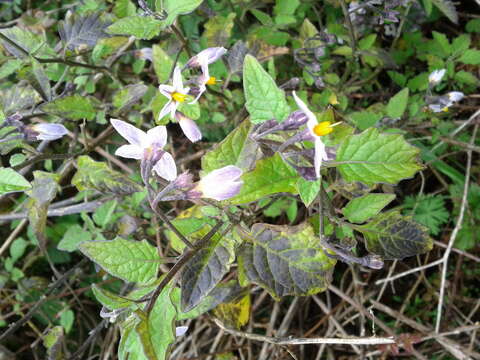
(441, 103)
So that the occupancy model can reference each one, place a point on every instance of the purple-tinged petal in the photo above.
(157, 136)
(181, 330)
(130, 152)
(189, 127)
(173, 109)
(129, 132)
(455, 96)
(145, 54)
(312, 119)
(49, 131)
(166, 90)
(221, 184)
(201, 89)
(177, 79)
(211, 54)
(167, 108)
(166, 168)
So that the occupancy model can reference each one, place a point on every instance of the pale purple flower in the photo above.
(316, 130)
(146, 145)
(442, 103)
(203, 59)
(175, 93)
(208, 55)
(144, 54)
(220, 184)
(180, 330)
(436, 76)
(46, 131)
(189, 127)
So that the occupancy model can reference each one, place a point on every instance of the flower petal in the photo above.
(201, 89)
(167, 108)
(455, 96)
(166, 90)
(177, 79)
(320, 155)
(130, 152)
(157, 136)
(129, 132)
(180, 330)
(49, 131)
(221, 184)
(312, 119)
(166, 168)
(189, 127)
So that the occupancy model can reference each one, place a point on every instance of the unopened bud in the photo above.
(45, 132)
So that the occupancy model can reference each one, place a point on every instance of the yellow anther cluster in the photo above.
(323, 128)
(211, 81)
(179, 97)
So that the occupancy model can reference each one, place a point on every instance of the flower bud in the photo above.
(45, 132)
(220, 184)
(210, 54)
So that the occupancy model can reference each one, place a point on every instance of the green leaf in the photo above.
(162, 63)
(103, 215)
(442, 41)
(109, 299)
(270, 176)
(75, 107)
(367, 42)
(27, 43)
(9, 67)
(157, 332)
(461, 44)
(264, 100)
(470, 57)
(473, 26)
(428, 210)
(11, 181)
(365, 119)
(205, 269)
(67, 319)
(130, 260)
(236, 149)
(218, 29)
(285, 260)
(372, 157)
(308, 190)
(97, 175)
(17, 248)
(363, 208)
(128, 96)
(397, 104)
(124, 8)
(221, 293)
(72, 237)
(174, 8)
(38, 79)
(393, 236)
(284, 11)
(142, 27)
(448, 9)
(466, 77)
(53, 343)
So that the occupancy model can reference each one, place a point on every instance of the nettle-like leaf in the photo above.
(308, 190)
(97, 175)
(363, 208)
(11, 181)
(397, 104)
(17, 98)
(264, 100)
(174, 8)
(83, 31)
(157, 332)
(206, 268)
(448, 9)
(270, 176)
(110, 300)
(142, 27)
(26, 43)
(74, 107)
(162, 63)
(130, 260)
(218, 29)
(428, 210)
(44, 189)
(236, 149)
(128, 96)
(371, 157)
(394, 236)
(285, 260)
